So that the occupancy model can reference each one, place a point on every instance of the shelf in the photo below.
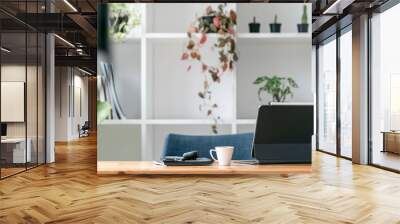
(178, 121)
(246, 36)
(242, 38)
(165, 35)
(175, 36)
(246, 121)
(185, 122)
(274, 37)
(134, 40)
(125, 121)
(246, 128)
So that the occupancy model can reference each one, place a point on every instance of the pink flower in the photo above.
(231, 31)
(217, 21)
(184, 56)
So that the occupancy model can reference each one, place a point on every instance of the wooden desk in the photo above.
(14, 151)
(149, 168)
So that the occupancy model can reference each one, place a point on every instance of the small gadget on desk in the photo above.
(283, 133)
(187, 159)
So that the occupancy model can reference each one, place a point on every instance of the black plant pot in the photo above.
(254, 27)
(275, 27)
(302, 28)
(208, 19)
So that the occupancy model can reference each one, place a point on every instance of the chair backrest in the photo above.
(86, 124)
(176, 144)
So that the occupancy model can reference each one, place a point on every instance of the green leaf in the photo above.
(259, 80)
(213, 28)
(278, 87)
(292, 83)
(103, 111)
(260, 90)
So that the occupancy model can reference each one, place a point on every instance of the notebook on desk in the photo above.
(176, 161)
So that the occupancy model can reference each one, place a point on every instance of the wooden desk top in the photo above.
(14, 140)
(391, 132)
(149, 168)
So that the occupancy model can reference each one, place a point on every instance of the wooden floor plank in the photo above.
(70, 191)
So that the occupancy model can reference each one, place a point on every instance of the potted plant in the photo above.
(123, 20)
(222, 22)
(254, 27)
(279, 87)
(275, 27)
(303, 26)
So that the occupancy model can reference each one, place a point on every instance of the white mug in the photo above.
(224, 155)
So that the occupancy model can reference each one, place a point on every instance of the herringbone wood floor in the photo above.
(69, 191)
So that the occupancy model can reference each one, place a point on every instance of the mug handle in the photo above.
(211, 154)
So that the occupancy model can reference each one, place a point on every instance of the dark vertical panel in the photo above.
(26, 79)
(369, 78)
(73, 91)
(45, 92)
(338, 93)
(69, 92)
(317, 95)
(37, 91)
(1, 161)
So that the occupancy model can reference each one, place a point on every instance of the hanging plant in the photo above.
(221, 22)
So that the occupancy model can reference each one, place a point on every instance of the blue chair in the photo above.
(176, 145)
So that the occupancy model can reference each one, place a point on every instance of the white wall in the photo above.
(175, 90)
(70, 83)
(290, 60)
(16, 73)
(34, 124)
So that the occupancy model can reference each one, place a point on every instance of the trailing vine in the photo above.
(221, 22)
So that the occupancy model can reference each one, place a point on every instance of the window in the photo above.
(346, 94)
(22, 77)
(327, 97)
(385, 89)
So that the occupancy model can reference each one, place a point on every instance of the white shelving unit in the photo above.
(167, 93)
